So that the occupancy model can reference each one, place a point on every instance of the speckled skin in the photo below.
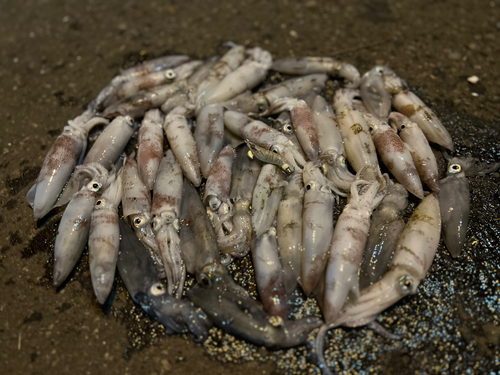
(348, 246)
(412, 107)
(183, 146)
(266, 198)
(219, 181)
(111, 143)
(136, 204)
(104, 240)
(375, 97)
(209, 135)
(317, 231)
(309, 65)
(289, 232)
(396, 156)
(269, 274)
(421, 151)
(150, 149)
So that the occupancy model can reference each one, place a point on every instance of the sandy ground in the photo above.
(56, 55)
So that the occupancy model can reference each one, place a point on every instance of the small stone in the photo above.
(294, 34)
(473, 79)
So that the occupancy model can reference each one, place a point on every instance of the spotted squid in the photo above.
(328, 65)
(289, 232)
(150, 150)
(73, 230)
(166, 207)
(395, 155)
(64, 154)
(104, 239)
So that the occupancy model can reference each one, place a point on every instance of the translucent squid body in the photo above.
(73, 231)
(269, 274)
(245, 173)
(332, 152)
(66, 152)
(150, 150)
(183, 145)
(104, 239)
(348, 246)
(166, 207)
(419, 147)
(263, 103)
(289, 232)
(328, 65)
(395, 155)
(136, 204)
(374, 94)
(216, 195)
(359, 147)
(317, 227)
(412, 107)
(386, 227)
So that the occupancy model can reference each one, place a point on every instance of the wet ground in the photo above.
(56, 55)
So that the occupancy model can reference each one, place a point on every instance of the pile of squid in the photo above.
(221, 165)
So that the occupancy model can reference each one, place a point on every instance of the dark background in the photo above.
(55, 56)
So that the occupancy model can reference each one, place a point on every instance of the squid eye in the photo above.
(138, 222)
(157, 289)
(342, 160)
(275, 149)
(94, 186)
(455, 168)
(170, 74)
(405, 284)
(288, 128)
(403, 126)
(205, 280)
(100, 203)
(371, 128)
(154, 224)
(310, 186)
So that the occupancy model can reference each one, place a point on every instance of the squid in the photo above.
(317, 227)
(266, 198)
(252, 72)
(140, 276)
(270, 139)
(183, 145)
(108, 95)
(73, 230)
(395, 155)
(230, 308)
(216, 194)
(374, 94)
(111, 143)
(347, 247)
(104, 239)
(269, 274)
(289, 232)
(454, 199)
(412, 107)
(359, 146)
(66, 152)
(136, 204)
(166, 207)
(262, 102)
(328, 65)
(419, 147)
(413, 257)
(332, 151)
(209, 135)
(197, 235)
(150, 150)
(245, 173)
(386, 227)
